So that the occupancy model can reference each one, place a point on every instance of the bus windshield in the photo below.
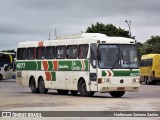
(118, 57)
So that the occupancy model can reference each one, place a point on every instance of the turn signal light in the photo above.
(99, 80)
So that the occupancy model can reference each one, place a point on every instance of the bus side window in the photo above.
(50, 52)
(61, 52)
(72, 52)
(21, 53)
(31, 53)
(40, 52)
(83, 51)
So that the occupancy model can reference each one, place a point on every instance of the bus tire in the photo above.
(33, 86)
(1, 77)
(147, 80)
(41, 86)
(83, 89)
(63, 92)
(74, 92)
(117, 94)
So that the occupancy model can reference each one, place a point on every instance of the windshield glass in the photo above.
(117, 56)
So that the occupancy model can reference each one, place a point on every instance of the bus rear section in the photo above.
(150, 68)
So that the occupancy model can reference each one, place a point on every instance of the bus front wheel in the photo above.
(83, 89)
(41, 86)
(117, 93)
(33, 86)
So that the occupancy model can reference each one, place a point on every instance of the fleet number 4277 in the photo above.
(20, 65)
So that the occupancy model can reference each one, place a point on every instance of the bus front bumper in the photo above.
(126, 87)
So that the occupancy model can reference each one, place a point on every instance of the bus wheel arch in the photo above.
(32, 84)
(80, 79)
(41, 85)
(82, 88)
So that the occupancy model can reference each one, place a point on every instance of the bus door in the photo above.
(93, 68)
(7, 71)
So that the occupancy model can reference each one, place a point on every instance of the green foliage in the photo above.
(108, 29)
(9, 51)
(150, 46)
(153, 45)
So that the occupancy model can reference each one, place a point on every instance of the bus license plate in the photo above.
(120, 88)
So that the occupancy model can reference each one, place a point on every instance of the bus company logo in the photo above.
(74, 66)
(63, 66)
(20, 65)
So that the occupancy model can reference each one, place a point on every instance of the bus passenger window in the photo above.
(61, 52)
(50, 52)
(40, 53)
(72, 52)
(31, 54)
(21, 54)
(83, 51)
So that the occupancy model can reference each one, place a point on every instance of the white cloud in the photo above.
(33, 19)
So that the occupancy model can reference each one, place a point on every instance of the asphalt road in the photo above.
(18, 98)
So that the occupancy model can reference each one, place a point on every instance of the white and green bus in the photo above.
(84, 63)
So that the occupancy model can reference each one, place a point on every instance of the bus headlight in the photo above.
(103, 80)
(136, 80)
(107, 80)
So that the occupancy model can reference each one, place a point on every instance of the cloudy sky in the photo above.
(31, 20)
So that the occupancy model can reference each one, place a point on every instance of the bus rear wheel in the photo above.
(83, 89)
(117, 93)
(33, 86)
(63, 92)
(41, 86)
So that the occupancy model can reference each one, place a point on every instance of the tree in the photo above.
(153, 45)
(9, 51)
(108, 29)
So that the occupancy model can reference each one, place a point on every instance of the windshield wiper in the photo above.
(128, 65)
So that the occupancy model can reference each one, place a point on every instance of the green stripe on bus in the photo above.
(30, 65)
(104, 73)
(120, 73)
(39, 65)
(74, 65)
(126, 73)
(50, 63)
(53, 76)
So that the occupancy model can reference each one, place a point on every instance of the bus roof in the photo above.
(147, 56)
(84, 38)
